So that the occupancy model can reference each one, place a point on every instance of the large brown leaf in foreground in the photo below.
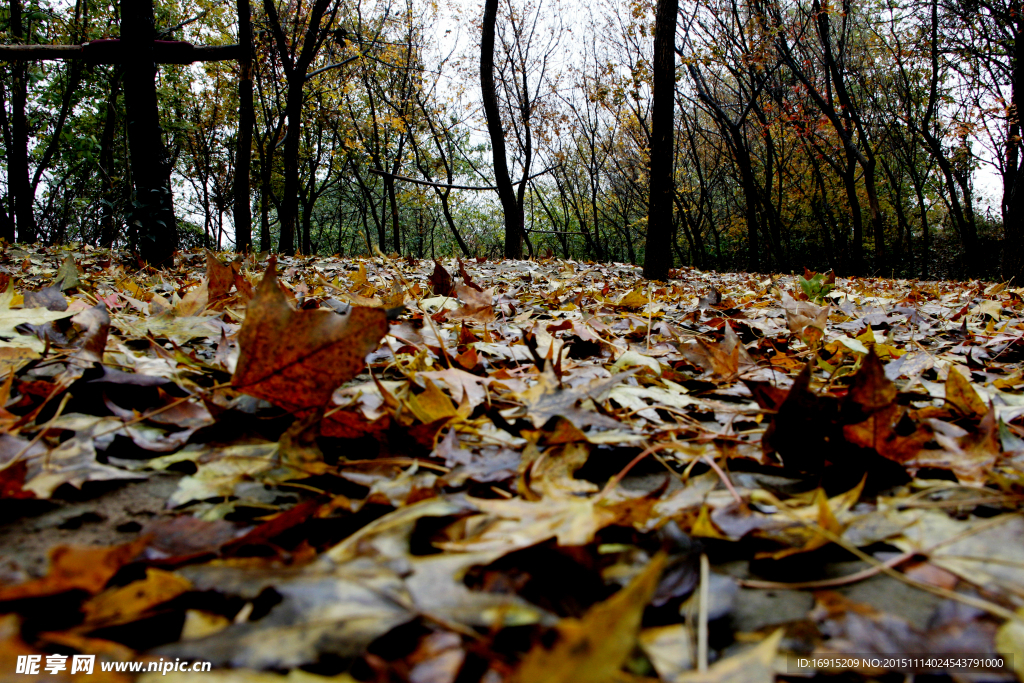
(296, 359)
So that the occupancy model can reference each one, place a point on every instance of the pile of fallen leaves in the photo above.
(535, 471)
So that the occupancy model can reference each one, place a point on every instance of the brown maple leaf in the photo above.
(296, 359)
(441, 280)
(220, 276)
(477, 304)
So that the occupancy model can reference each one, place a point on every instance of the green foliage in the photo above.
(816, 286)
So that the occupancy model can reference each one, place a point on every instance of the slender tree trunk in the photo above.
(307, 227)
(926, 244)
(396, 233)
(1013, 193)
(17, 170)
(514, 218)
(658, 250)
(7, 225)
(265, 239)
(243, 153)
(152, 228)
(850, 183)
(450, 220)
(290, 200)
(296, 67)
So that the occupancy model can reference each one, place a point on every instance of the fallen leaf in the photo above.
(73, 462)
(296, 359)
(336, 612)
(219, 276)
(12, 318)
(547, 399)
(592, 649)
(962, 396)
(441, 281)
(95, 322)
(124, 604)
(68, 274)
(49, 298)
(670, 649)
(431, 404)
(1010, 638)
(754, 665)
(477, 304)
(76, 568)
(803, 314)
(981, 551)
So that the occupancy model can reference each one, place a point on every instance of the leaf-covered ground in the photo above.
(544, 471)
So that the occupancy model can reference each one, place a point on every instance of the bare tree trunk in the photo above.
(295, 67)
(1013, 192)
(289, 214)
(17, 170)
(658, 251)
(108, 227)
(243, 153)
(514, 219)
(7, 223)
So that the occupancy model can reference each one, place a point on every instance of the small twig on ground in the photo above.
(702, 614)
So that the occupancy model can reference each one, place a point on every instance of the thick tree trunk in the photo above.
(514, 219)
(152, 229)
(658, 251)
(243, 153)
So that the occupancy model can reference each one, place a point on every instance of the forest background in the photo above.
(810, 133)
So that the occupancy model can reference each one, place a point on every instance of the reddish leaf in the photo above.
(441, 281)
(12, 479)
(350, 424)
(871, 390)
(277, 525)
(467, 279)
(801, 430)
(296, 359)
(221, 277)
(879, 433)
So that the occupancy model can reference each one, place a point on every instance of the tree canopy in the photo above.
(864, 138)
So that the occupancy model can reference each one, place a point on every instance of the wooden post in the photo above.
(152, 229)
